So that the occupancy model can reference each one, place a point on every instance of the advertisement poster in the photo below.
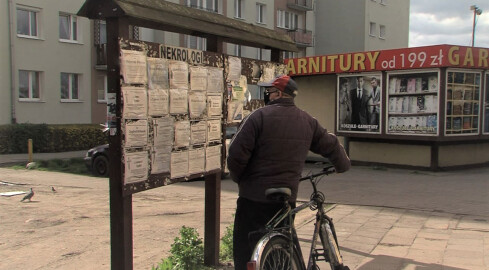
(359, 103)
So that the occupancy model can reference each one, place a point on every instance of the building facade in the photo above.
(47, 74)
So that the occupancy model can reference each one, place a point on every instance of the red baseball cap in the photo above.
(283, 83)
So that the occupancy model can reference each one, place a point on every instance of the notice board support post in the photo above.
(121, 246)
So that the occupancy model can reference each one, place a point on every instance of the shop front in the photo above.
(423, 107)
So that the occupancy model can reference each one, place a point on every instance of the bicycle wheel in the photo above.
(275, 255)
(331, 247)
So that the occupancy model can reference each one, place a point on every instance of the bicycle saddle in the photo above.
(278, 194)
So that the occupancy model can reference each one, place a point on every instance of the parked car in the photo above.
(97, 160)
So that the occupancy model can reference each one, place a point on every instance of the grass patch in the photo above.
(72, 165)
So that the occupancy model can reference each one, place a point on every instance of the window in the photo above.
(288, 55)
(29, 88)
(27, 24)
(68, 27)
(382, 32)
(260, 13)
(103, 32)
(259, 54)
(197, 43)
(287, 20)
(209, 5)
(372, 29)
(237, 50)
(238, 8)
(102, 88)
(69, 86)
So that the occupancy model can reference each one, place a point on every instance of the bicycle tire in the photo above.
(273, 252)
(331, 246)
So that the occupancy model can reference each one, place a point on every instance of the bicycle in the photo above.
(279, 248)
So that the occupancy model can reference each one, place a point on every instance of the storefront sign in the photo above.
(190, 56)
(398, 59)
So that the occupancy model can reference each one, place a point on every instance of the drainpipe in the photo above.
(11, 11)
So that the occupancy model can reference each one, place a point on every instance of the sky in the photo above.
(435, 22)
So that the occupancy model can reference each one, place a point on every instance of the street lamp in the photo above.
(477, 11)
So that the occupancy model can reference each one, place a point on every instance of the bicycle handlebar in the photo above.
(326, 170)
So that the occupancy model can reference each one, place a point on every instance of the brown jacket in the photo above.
(271, 145)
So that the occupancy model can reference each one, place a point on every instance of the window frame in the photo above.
(260, 13)
(30, 94)
(73, 23)
(239, 9)
(30, 11)
(70, 98)
(372, 30)
(382, 31)
(104, 100)
(287, 20)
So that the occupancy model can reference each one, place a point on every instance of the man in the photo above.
(269, 150)
(374, 102)
(359, 101)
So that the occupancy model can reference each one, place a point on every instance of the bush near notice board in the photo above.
(50, 138)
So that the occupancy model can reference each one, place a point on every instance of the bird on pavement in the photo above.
(31, 165)
(28, 196)
(53, 189)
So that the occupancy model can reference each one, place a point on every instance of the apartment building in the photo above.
(360, 25)
(46, 73)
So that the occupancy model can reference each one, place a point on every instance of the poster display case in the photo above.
(462, 102)
(412, 102)
(486, 104)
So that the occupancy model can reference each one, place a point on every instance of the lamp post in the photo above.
(477, 11)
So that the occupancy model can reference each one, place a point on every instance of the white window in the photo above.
(197, 43)
(372, 29)
(209, 5)
(287, 20)
(237, 50)
(102, 32)
(102, 88)
(382, 31)
(239, 8)
(260, 13)
(29, 85)
(27, 22)
(259, 54)
(68, 27)
(69, 86)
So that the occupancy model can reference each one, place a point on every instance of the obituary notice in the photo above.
(158, 102)
(215, 80)
(234, 66)
(158, 73)
(214, 106)
(136, 133)
(133, 67)
(182, 134)
(198, 132)
(213, 157)
(196, 161)
(198, 78)
(163, 131)
(178, 74)
(178, 101)
(197, 104)
(179, 164)
(160, 159)
(214, 130)
(135, 102)
(136, 166)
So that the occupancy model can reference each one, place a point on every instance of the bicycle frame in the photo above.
(323, 228)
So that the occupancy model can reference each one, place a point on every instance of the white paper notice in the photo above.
(196, 161)
(135, 102)
(198, 78)
(197, 104)
(234, 66)
(198, 132)
(178, 101)
(215, 83)
(213, 157)
(268, 73)
(133, 67)
(214, 130)
(136, 166)
(158, 102)
(158, 73)
(178, 74)
(160, 159)
(179, 164)
(136, 133)
(214, 106)
(163, 131)
(235, 112)
(182, 134)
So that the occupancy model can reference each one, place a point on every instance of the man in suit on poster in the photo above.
(374, 102)
(359, 101)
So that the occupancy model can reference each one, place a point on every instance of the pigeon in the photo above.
(31, 165)
(28, 196)
(52, 188)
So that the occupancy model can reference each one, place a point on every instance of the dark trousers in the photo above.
(250, 217)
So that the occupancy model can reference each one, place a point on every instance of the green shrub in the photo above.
(50, 138)
(226, 250)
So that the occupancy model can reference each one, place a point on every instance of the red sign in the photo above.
(397, 59)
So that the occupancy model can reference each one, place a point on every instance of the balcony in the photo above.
(301, 37)
(302, 5)
(101, 50)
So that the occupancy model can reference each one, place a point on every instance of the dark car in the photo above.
(97, 160)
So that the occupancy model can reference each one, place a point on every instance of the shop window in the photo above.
(68, 27)
(27, 22)
(29, 85)
(463, 101)
(69, 86)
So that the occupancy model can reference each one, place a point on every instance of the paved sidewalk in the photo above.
(395, 239)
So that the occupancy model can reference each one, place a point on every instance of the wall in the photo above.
(50, 56)
(5, 76)
(456, 155)
(397, 154)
